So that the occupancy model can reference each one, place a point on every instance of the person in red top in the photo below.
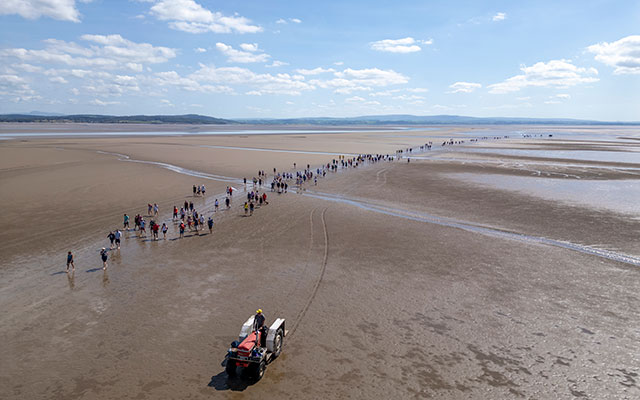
(175, 212)
(155, 231)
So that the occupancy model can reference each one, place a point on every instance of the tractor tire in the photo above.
(230, 367)
(278, 341)
(259, 371)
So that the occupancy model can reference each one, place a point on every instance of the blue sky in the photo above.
(574, 59)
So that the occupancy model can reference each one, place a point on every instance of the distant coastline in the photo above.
(372, 120)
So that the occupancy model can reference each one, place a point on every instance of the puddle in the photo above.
(618, 196)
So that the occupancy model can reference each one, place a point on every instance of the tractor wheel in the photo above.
(259, 371)
(230, 367)
(277, 343)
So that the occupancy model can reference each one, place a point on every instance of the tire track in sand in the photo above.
(320, 278)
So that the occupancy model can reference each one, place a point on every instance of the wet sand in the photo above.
(377, 303)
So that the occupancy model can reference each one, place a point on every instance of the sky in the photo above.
(277, 59)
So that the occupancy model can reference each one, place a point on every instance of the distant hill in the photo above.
(383, 120)
(429, 120)
(113, 119)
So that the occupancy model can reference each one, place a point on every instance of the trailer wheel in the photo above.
(230, 367)
(277, 343)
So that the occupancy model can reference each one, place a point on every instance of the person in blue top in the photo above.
(70, 262)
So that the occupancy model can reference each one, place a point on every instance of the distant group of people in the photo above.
(199, 190)
(187, 217)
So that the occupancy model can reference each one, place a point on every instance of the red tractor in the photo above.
(254, 349)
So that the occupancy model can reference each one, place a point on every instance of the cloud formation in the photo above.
(499, 17)
(106, 51)
(405, 45)
(63, 10)
(464, 87)
(623, 54)
(249, 54)
(189, 16)
(555, 73)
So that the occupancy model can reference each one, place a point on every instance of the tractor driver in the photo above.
(258, 325)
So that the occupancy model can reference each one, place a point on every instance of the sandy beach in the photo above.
(467, 271)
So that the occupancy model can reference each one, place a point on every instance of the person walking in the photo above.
(112, 238)
(103, 256)
(164, 231)
(142, 227)
(210, 223)
(216, 206)
(154, 228)
(181, 230)
(118, 236)
(70, 262)
(125, 224)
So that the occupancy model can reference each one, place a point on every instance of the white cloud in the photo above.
(58, 79)
(64, 10)
(372, 76)
(283, 21)
(98, 102)
(277, 63)
(239, 56)
(115, 53)
(623, 54)
(555, 73)
(166, 103)
(28, 67)
(563, 96)
(254, 93)
(354, 99)
(200, 50)
(265, 83)
(464, 87)
(315, 71)
(405, 45)
(16, 88)
(384, 93)
(191, 84)
(499, 17)
(338, 63)
(350, 80)
(189, 16)
(249, 47)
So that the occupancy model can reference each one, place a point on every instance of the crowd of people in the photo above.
(188, 218)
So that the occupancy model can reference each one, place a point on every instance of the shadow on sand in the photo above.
(94, 269)
(222, 381)
(237, 383)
